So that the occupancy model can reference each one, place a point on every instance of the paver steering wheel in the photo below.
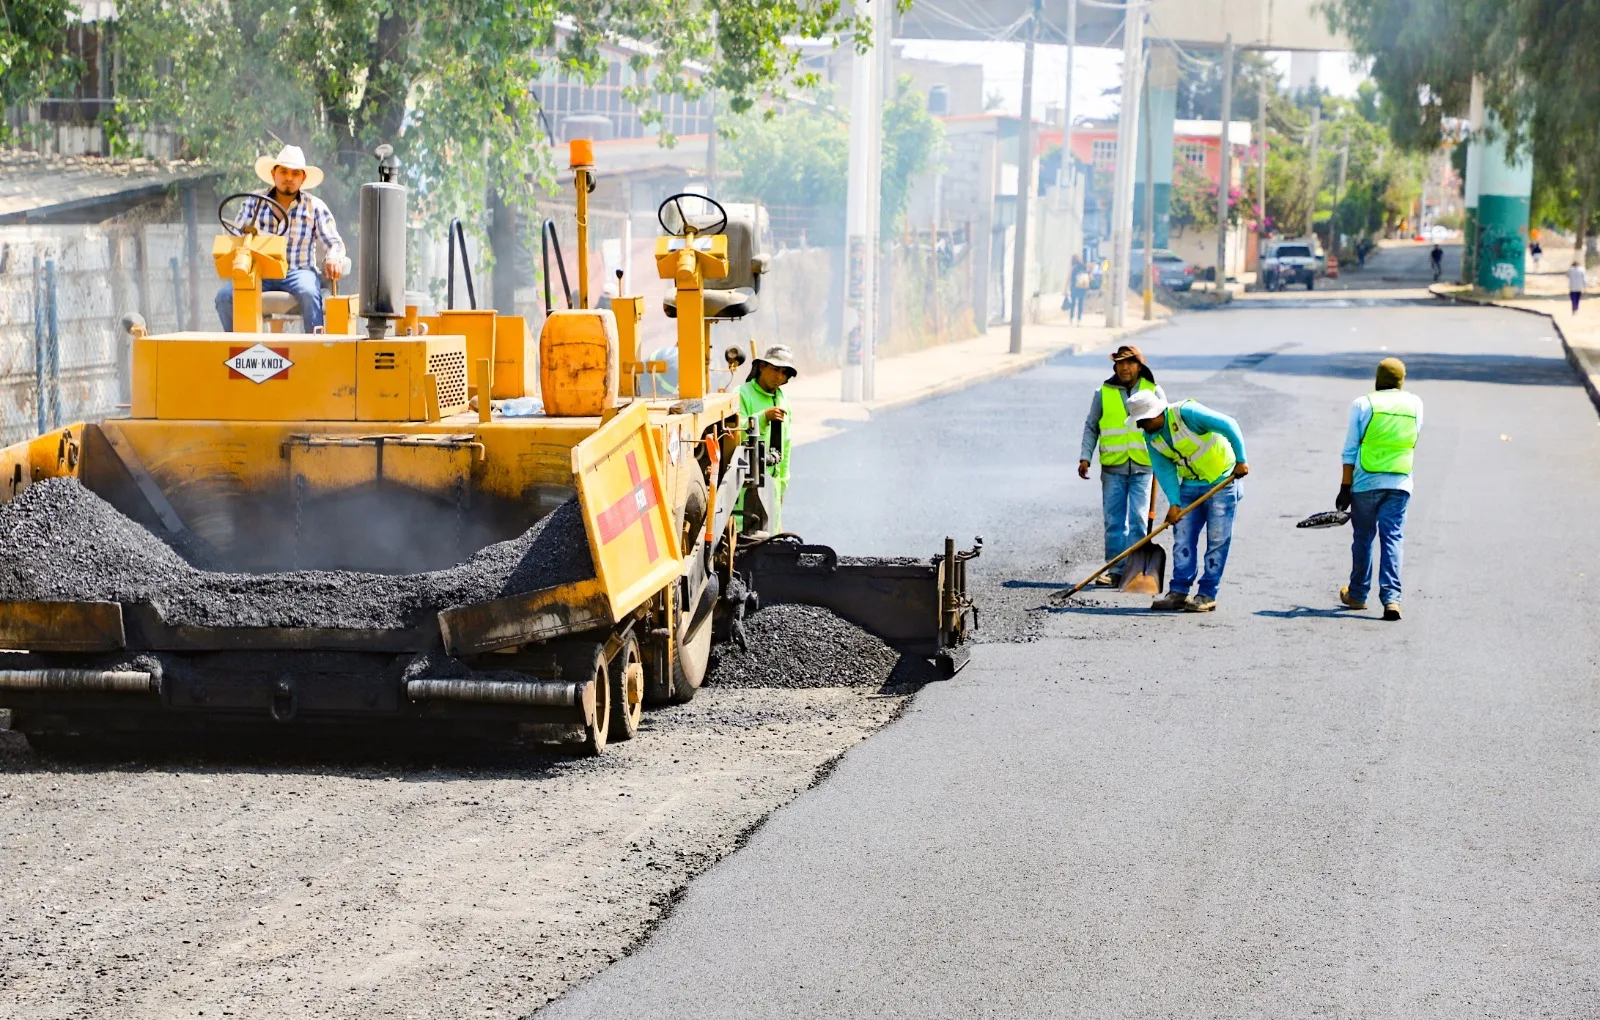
(683, 218)
(277, 208)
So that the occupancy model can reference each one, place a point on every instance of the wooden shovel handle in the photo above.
(1068, 593)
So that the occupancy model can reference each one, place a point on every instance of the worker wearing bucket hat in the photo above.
(310, 224)
(1124, 461)
(761, 398)
(1376, 484)
(1192, 449)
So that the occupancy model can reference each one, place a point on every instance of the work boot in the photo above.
(1172, 600)
(1391, 611)
(1350, 603)
(1200, 604)
(1108, 580)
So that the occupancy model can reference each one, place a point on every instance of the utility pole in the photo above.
(1261, 167)
(1019, 253)
(1149, 203)
(861, 222)
(1127, 156)
(1311, 167)
(883, 29)
(1226, 166)
(1338, 193)
(1067, 160)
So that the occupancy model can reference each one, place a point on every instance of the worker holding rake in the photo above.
(1195, 453)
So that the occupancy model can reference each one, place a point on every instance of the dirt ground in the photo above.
(286, 888)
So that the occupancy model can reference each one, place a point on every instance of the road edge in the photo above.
(1019, 364)
(1585, 361)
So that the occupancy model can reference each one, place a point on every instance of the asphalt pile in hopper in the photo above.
(798, 646)
(59, 541)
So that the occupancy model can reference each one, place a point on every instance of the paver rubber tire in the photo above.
(693, 658)
(588, 659)
(695, 506)
(690, 664)
(627, 690)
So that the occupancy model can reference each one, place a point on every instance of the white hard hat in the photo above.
(1144, 404)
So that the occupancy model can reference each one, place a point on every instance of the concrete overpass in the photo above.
(1255, 24)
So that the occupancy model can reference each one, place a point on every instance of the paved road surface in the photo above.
(1278, 810)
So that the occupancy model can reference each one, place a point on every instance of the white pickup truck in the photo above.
(1288, 262)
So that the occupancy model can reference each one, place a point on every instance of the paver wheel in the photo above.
(589, 660)
(627, 690)
(690, 664)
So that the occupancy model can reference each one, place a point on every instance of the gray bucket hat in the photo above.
(779, 356)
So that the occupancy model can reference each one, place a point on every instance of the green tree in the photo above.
(33, 64)
(447, 82)
(912, 140)
(1538, 64)
(799, 159)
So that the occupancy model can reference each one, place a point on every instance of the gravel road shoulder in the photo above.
(271, 888)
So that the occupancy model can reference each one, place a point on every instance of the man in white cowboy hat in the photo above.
(310, 222)
(761, 397)
(1192, 448)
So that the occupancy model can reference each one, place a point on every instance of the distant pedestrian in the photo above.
(1077, 289)
(1376, 484)
(1577, 279)
(1534, 251)
(1192, 449)
(1124, 461)
(1437, 258)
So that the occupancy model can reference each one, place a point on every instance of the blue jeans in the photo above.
(1216, 516)
(1126, 501)
(304, 284)
(1075, 305)
(1380, 514)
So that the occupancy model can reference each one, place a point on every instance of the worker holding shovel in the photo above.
(1124, 461)
(1196, 454)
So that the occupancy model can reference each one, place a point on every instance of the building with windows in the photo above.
(1195, 143)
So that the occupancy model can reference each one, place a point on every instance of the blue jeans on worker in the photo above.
(304, 284)
(1215, 515)
(1125, 500)
(1380, 514)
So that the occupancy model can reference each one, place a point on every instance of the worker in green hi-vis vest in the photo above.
(1376, 485)
(1124, 461)
(761, 397)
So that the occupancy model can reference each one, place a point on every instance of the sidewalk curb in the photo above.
(1585, 364)
(1019, 364)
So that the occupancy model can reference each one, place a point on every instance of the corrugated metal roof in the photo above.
(35, 186)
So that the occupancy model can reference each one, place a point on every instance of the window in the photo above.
(1104, 151)
(1193, 153)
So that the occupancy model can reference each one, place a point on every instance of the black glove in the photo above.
(1342, 501)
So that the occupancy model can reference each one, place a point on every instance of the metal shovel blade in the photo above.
(1145, 572)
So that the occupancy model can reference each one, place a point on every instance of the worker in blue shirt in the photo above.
(1192, 448)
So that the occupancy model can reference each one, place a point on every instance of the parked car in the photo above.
(1172, 272)
(1291, 262)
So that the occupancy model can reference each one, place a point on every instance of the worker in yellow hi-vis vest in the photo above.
(1376, 484)
(1124, 461)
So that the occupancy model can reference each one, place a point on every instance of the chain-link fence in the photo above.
(63, 291)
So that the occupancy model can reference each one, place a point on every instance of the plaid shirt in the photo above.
(310, 221)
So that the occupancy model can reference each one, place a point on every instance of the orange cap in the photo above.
(580, 153)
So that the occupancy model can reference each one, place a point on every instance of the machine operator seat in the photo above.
(737, 294)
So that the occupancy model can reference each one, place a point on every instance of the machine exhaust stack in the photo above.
(383, 247)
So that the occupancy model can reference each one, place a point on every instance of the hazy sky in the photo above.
(1095, 70)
